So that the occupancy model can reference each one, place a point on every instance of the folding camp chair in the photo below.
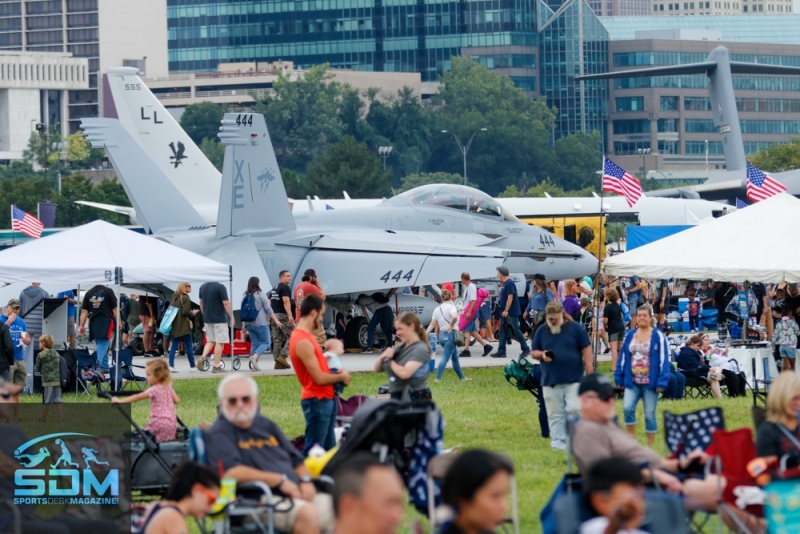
(733, 451)
(127, 376)
(86, 376)
(760, 394)
(437, 470)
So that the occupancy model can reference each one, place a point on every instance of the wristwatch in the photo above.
(305, 479)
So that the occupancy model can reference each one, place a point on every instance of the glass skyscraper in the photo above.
(537, 43)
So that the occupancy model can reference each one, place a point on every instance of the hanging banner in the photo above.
(47, 214)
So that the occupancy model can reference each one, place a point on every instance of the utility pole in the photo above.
(464, 149)
(384, 152)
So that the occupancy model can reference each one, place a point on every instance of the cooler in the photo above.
(683, 305)
(676, 326)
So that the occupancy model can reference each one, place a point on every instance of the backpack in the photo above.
(248, 311)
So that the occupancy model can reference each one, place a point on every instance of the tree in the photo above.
(202, 120)
(415, 180)
(214, 151)
(577, 159)
(545, 186)
(41, 146)
(778, 158)
(303, 116)
(518, 127)
(80, 154)
(347, 166)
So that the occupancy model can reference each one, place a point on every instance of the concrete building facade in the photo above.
(107, 33)
(34, 88)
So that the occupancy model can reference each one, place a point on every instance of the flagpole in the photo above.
(598, 278)
(13, 234)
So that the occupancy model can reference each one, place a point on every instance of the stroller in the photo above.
(151, 463)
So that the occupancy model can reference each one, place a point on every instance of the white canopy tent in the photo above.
(102, 253)
(751, 244)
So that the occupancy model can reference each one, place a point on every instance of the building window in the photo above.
(43, 23)
(48, 37)
(699, 147)
(74, 6)
(10, 8)
(696, 103)
(82, 36)
(526, 83)
(40, 8)
(80, 20)
(700, 126)
(667, 125)
(668, 147)
(622, 148)
(669, 103)
(630, 103)
(631, 126)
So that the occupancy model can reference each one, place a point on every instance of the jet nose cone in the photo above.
(586, 264)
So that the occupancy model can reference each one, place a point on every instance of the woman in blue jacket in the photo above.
(692, 365)
(643, 370)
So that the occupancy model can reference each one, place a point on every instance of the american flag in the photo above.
(760, 185)
(26, 223)
(740, 203)
(615, 179)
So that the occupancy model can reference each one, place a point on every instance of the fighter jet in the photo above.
(719, 69)
(425, 236)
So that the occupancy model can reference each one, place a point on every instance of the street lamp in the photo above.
(465, 149)
(706, 142)
(383, 152)
(643, 152)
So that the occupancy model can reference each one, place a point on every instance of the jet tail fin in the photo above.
(159, 205)
(252, 197)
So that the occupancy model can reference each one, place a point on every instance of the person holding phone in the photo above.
(563, 347)
(691, 363)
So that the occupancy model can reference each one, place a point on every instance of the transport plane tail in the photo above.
(173, 151)
(252, 197)
(159, 206)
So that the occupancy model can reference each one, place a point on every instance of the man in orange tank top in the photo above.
(314, 375)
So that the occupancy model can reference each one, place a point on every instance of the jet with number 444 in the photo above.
(426, 236)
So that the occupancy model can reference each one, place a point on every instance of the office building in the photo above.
(719, 7)
(34, 89)
(107, 33)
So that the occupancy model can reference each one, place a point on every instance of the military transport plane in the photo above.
(426, 236)
(719, 68)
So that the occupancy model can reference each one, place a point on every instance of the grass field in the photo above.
(486, 413)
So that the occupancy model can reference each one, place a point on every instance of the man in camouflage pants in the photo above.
(280, 300)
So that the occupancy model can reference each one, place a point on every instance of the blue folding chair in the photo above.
(86, 376)
(127, 376)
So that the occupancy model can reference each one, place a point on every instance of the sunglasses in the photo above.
(212, 498)
(233, 401)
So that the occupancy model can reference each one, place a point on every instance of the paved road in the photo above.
(352, 362)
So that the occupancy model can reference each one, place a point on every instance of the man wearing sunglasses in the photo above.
(596, 436)
(253, 448)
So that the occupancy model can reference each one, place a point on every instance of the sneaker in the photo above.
(199, 363)
(464, 354)
(192, 370)
(607, 351)
(558, 446)
(465, 379)
(438, 380)
(281, 363)
(525, 354)
(487, 349)
(498, 355)
(254, 363)
(173, 370)
(217, 370)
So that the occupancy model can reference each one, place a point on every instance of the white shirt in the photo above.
(471, 293)
(444, 314)
(598, 526)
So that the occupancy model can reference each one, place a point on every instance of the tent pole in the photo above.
(232, 320)
(116, 329)
(597, 284)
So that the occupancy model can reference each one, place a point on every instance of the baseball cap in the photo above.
(538, 276)
(14, 303)
(598, 383)
(503, 270)
(310, 272)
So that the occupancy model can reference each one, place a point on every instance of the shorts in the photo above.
(657, 307)
(217, 333)
(616, 336)
(286, 511)
(146, 324)
(787, 351)
(484, 313)
(469, 327)
(18, 373)
(51, 394)
(71, 331)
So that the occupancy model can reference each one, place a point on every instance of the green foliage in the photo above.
(214, 151)
(778, 158)
(202, 120)
(347, 166)
(41, 147)
(545, 186)
(303, 116)
(576, 162)
(415, 180)
(518, 127)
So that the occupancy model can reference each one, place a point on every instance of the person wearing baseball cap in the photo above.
(509, 301)
(309, 285)
(596, 436)
(18, 373)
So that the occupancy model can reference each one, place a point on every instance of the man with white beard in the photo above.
(564, 349)
(253, 448)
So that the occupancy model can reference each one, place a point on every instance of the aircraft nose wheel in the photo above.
(236, 364)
